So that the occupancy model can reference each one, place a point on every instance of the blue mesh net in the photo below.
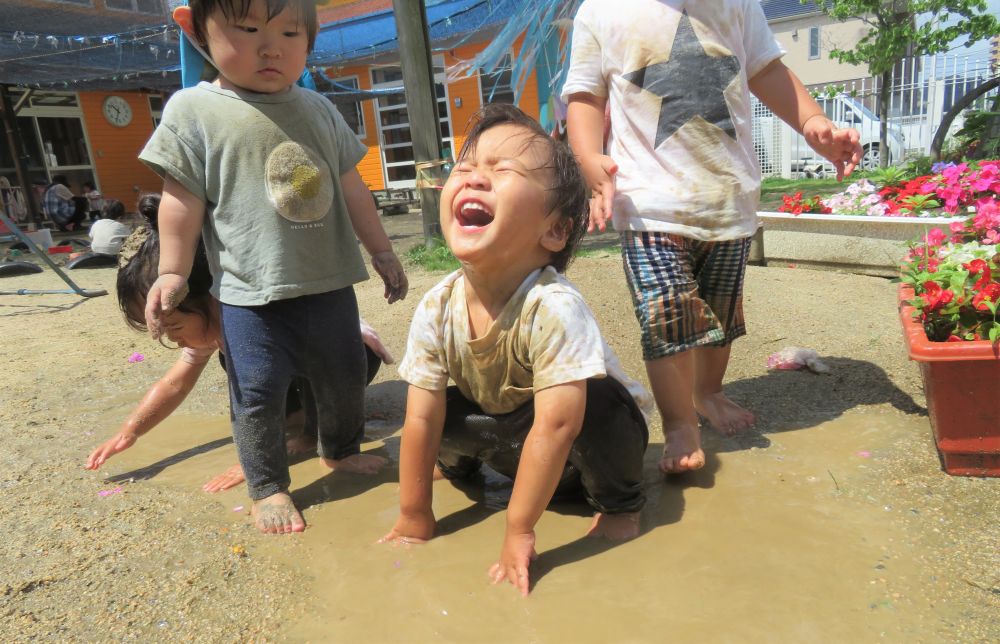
(69, 48)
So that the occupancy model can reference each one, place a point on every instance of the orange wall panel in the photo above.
(115, 150)
(370, 167)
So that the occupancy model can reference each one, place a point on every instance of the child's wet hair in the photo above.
(568, 191)
(113, 209)
(235, 10)
(137, 273)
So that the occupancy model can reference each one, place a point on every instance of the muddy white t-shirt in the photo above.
(675, 74)
(546, 335)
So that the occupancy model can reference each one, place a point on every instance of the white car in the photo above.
(844, 111)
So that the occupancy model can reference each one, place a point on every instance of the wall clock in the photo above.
(117, 111)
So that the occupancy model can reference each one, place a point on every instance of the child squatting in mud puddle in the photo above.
(538, 394)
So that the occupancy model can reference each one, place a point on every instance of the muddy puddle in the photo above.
(778, 542)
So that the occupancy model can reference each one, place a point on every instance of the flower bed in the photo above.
(950, 188)
(956, 278)
(960, 381)
(865, 228)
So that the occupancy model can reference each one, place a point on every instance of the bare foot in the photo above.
(438, 474)
(300, 444)
(682, 452)
(230, 478)
(725, 416)
(277, 514)
(357, 464)
(616, 527)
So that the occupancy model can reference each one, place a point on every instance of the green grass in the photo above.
(772, 188)
(436, 259)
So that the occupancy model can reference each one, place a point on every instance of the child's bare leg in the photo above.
(672, 381)
(616, 527)
(725, 416)
(276, 514)
(357, 464)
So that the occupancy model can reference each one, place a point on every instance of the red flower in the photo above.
(990, 293)
(935, 296)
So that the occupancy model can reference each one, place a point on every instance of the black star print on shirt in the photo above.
(690, 83)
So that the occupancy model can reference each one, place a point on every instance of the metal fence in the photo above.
(922, 91)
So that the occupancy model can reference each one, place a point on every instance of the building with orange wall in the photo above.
(96, 135)
(85, 135)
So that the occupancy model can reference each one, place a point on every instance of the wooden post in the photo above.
(421, 102)
(15, 147)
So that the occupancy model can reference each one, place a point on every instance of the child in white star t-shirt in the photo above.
(680, 180)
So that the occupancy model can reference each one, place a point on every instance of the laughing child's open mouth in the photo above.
(474, 214)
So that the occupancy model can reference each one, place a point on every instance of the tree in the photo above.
(895, 34)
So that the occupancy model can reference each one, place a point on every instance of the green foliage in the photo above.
(974, 138)
(437, 258)
(919, 166)
(890, 175)
(894, 32)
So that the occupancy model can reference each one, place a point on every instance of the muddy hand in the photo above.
(387, 265)
(166, 293)
(516, 555)
(118, 443)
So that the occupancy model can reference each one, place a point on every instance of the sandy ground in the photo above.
(830, 521)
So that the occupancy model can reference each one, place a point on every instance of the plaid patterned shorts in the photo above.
(687, 293)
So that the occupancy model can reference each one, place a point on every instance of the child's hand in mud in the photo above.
(118, 443)
(516, 555)
(411, 528)
(841, 147)
(387, 265)
(230, 478)
(165, 294)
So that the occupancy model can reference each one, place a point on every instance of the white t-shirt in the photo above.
(107, 235)
(546, 335)
(675, 74)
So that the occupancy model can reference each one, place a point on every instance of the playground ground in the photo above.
(830, 521)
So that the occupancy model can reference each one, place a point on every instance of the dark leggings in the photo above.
(299, 390)
(604, 463)
(314, 337)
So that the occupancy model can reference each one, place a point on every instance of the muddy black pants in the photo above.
(604, 463)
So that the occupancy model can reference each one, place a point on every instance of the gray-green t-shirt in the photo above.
(268, 168)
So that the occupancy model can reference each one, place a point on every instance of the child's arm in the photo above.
(369, 230)
(418, 451)
(782, 91)
(180, 217)
(160, 401)
(585, 125)
(558, 420)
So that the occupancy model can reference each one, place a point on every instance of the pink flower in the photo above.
(935, 237)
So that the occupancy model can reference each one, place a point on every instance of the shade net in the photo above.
(62, 46)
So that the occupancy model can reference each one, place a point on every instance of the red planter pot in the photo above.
(962, 385)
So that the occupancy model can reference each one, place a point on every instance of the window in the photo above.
(393, 122)
(495, 87)
(351, 111)
(144, 6)
(63, 141)
(155, 108)
(813, 43)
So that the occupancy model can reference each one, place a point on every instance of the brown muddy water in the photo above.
(763, 545)
(830, 521)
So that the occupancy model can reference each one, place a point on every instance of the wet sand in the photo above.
(830, 521)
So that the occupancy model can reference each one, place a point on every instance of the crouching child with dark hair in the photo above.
(538, 395)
